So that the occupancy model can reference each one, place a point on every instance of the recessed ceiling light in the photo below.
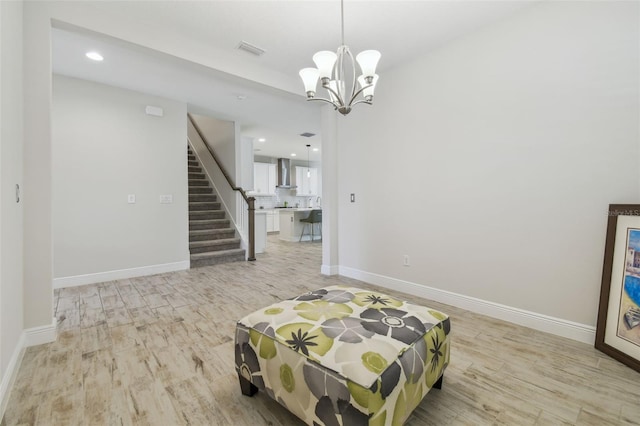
(94, 56)
(316, 149)
(293, 154)
(262, 140)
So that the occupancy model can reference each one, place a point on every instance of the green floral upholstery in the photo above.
(343, 355)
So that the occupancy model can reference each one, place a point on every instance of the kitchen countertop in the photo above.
(297, 209)
(289, 209)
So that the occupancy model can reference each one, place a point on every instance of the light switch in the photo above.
(353, 198)
(131, 198)
(166, 199)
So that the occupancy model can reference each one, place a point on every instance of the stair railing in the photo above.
(249, 200)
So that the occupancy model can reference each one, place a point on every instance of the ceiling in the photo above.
(263, 93)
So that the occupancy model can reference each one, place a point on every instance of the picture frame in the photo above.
(618, 325)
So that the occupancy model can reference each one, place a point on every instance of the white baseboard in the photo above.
(9, 376)
(29, 337)
(329, 270)
(120, 274)
(40, 335)
(560, 327)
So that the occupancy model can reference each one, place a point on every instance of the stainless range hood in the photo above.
(284, 174)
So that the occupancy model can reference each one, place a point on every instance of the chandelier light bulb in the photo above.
(310, 79)
(325, 60)
(368, 61)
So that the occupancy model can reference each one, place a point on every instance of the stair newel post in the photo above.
(252, 228)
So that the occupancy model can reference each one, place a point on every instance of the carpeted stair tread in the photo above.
(220, 242)
(211, 198)
(200, 190)
(199, 206)
(211, 234)
(207, 215)
(217, 257)
(195, 225)
(217, 253)
(214, 245)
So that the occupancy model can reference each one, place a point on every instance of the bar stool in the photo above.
(314, 217)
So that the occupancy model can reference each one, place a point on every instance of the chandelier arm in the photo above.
(354, 82)
(361, 101)
(341, 103)
(325, 100)
(338, 74)
(356, 95)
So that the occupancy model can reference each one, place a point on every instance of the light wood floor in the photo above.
(159, 350)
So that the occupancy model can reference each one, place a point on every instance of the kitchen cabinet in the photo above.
(273, 221)
(290, 225)
(264, 178)
(307, 185)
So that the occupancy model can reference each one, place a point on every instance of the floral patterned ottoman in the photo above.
(343, 356)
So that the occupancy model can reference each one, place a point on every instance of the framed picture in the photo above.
(618, 327)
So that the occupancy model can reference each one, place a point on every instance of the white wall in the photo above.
(11, 136)
(491, 162)
(104, 148)
(244, 160)
(221, 135)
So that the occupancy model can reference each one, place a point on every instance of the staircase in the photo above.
(212, 240)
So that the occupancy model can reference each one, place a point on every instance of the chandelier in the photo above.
(331, 72)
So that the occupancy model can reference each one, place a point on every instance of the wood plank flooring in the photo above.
(159, 351)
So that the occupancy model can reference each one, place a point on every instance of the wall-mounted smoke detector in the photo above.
(250, 48)
(307, 134)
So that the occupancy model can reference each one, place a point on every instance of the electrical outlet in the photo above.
(131, 198)
(166, 199)
(405, 260)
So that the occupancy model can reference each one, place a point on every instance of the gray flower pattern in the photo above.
(394, 323)
(348, 330)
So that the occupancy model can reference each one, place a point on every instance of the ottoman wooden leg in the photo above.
(438, 384)
(248, 388)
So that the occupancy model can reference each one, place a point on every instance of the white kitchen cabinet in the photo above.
(307, 184)
(273, 221)
(264, 178)
(287, 225)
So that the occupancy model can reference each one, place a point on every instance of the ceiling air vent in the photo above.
(248, 47)
(307, 134)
